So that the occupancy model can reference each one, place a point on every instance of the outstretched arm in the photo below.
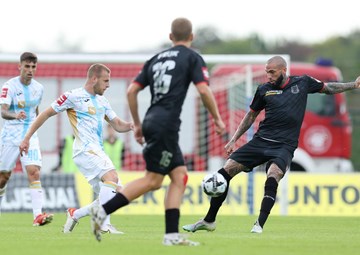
(120, 125)
(245, 124)
(39, 121)
(338, 87)
(209, 102)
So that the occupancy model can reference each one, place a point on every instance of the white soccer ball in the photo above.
(214, 184)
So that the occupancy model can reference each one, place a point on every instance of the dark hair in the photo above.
(29, 57)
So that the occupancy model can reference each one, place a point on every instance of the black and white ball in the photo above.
(214, 184)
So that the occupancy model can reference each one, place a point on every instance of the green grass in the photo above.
(143, 235)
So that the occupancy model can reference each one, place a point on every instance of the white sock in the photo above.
(36, 194)
(107, 192)
(83, 211)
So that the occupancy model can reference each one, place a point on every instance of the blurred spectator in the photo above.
(114, 148)
(66, 163)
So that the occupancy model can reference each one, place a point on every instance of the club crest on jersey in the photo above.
(61, 100)
(295, 89)
(92, 110)
(4, 92)
(273, 92)
(21, 104)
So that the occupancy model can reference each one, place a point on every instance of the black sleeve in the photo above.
(314, 85)
(257, 103)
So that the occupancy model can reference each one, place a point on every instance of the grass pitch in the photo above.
(143, 235)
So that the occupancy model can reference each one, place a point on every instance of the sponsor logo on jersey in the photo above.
(91, 110)
(273, 92)
(4, 92)
(21, 104)
(61, 100)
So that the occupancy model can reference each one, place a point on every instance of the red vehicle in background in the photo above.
(325, 138)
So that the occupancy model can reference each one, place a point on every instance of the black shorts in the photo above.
(162, 152)
(258, 151)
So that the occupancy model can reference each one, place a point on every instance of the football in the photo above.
(214, 184)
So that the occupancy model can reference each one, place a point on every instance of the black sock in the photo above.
(216, 202)
(118, 201)
(225, 174)
(172, 220)
(268, 200)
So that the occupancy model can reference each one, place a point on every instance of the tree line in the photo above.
(343, 51)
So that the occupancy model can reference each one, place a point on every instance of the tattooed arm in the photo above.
(338, 87)
(245, 124)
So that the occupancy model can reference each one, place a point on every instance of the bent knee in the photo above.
(33, 173)
(275, 172)
(154, 185)
(110, 176)
(4, 178)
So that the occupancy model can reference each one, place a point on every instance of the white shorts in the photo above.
(10, 153)
(93, 165)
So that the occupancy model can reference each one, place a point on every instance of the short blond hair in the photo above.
(96, 69)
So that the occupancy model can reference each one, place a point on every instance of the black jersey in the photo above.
(169, 74)
(284, 108)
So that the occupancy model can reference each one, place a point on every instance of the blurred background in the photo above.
(317, 37)
(312, 32)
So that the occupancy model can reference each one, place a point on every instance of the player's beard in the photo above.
(98, 90)
(279, 80)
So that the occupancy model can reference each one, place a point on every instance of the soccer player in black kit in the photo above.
(284, 100)
(169, 74)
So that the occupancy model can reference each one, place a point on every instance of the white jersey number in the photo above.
(162, 80)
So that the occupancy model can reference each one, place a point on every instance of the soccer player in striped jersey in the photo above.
(20, 99)
(87, 110)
